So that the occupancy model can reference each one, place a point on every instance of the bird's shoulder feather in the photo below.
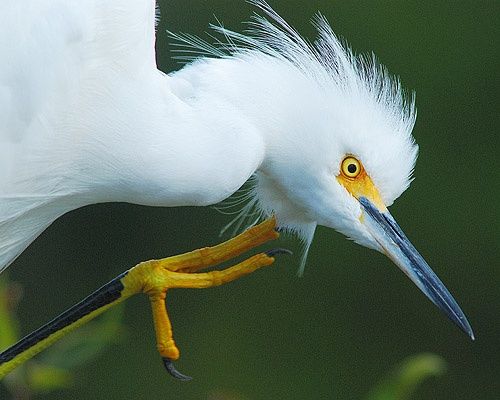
(56, 56)
(48, 46)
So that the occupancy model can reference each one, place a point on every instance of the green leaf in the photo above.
(402, 383)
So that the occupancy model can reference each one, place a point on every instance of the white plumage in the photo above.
(312, 105)
(87, 117)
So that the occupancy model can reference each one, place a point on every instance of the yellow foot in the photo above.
(155, 277)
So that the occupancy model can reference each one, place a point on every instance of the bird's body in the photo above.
(86, 117)
(90, 119)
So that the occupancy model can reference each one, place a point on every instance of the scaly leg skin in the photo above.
(157, 276)
(165, 342)
(153, 278)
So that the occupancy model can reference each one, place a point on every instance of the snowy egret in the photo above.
(87, 118)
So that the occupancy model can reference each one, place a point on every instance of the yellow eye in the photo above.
(350, 167)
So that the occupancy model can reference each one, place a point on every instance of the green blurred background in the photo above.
(334, 333)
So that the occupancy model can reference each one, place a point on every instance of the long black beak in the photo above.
(398, 248)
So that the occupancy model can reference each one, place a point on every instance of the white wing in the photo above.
(46, 46)
(47, 50)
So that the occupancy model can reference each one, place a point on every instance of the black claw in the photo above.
(274, 252)
(169, 366)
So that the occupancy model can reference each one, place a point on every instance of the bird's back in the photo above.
(57, 58)
(50, 49)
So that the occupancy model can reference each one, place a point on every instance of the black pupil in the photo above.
(352, 168)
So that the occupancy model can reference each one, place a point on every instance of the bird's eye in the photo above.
(350, 167)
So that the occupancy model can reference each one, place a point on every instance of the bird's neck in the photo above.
(166, 149)
(154, 140)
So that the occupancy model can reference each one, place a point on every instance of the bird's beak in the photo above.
(394, 243)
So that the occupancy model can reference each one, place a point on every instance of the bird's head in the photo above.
(341, 148)
(337, 132)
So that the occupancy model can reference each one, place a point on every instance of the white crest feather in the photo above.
(325, 60)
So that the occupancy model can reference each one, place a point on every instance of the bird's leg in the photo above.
(210, 256)
(155, 277)
(164, 336)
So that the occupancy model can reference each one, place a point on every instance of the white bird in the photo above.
(86, 117)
